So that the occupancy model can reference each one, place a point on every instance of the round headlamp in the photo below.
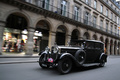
(47, 49)
(55, 49)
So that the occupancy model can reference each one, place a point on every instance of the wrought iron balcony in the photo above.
(118, 12)
(60, 14)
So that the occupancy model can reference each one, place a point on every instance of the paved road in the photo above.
(32, 71)
(17, 60)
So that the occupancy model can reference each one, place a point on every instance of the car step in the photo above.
(91, 64)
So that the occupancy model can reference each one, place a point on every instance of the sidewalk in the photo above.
(18, 55)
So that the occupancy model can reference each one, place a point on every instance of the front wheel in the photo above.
(64, 65)
(41, 62)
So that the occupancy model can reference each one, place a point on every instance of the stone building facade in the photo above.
(59, 21)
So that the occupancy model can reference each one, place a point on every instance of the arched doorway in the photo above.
(43, 27)
(15, 33)
(86, 35)
(106, 46)
(118, 48)
(101, 39)
(61, 35)
(75, 35)
(94, 37)
(115, 47)
(111, 46)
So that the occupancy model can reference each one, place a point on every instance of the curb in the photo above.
(17, 62)
(19, 56)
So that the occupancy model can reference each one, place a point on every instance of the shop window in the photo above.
(14, 40)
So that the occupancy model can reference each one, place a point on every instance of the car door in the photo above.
(97, 50)
(89, 49)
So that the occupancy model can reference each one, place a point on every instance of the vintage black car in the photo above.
(78, 53)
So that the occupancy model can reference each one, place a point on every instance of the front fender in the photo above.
(66, 55)
(74, 60)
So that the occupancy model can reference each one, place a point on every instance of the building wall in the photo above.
(34, 18)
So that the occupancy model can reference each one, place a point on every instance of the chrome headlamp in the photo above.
(47, 49)
(55, 49)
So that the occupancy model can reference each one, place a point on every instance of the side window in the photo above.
(102, 46)
(97, 46)
(89, 45)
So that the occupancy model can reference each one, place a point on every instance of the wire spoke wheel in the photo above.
(64, 65)
(102, 63)
(81, 58)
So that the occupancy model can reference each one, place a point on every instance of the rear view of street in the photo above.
(31, 71)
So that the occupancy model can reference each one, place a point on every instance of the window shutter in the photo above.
(41, 3)
(79, 16)
(73, 15)
(59, 6)
(90, 2)
(68, 5)
(89, 19)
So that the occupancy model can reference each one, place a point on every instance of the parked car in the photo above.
(78, 53)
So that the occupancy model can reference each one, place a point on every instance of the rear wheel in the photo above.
(64, 65)
(102, 63)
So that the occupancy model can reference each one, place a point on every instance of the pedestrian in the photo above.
(19, 47)
(9, 46)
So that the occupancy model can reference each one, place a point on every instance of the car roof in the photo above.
(88, 41)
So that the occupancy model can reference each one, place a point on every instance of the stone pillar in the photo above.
(30, 42)
(116, 49)
(68, 39)
(52, 37)
(108, 48)
(112, 49)
(119, 48)
(2, 25)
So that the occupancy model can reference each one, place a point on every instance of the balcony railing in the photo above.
(112, 6)
(69, 15)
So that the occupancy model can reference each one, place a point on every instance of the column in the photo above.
(116, 52)
(52, 37)
(108, 48)
(30, 42)
(112, 49)
(68, 39)
(119, 48)
(2, 25)
(116, 49)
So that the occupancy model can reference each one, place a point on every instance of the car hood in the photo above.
(68, 47)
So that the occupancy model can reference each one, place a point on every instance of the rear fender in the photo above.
(103, 56)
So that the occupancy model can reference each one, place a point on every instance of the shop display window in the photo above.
(13, 40)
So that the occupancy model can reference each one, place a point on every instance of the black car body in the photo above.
(78, 53)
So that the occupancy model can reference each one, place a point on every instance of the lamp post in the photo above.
(38, 37)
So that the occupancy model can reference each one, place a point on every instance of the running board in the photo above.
(90, 64)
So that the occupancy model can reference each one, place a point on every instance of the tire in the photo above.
(102, 62)
(80, 56)
(64, 65)
(41, 62)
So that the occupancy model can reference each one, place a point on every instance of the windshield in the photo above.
(77, 44)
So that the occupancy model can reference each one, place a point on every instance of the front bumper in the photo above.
(48, 61)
